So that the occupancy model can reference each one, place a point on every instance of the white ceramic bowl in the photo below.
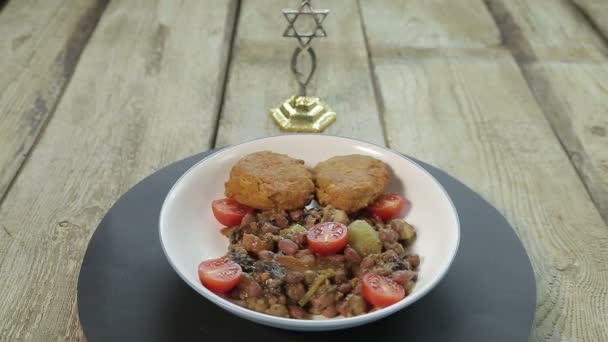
(189, 233)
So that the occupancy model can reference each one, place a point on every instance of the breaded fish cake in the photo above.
(350, 182)
(267, 180)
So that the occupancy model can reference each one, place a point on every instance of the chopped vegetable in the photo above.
(227, 231)
(363, 238)
(314, 287)
(296, 228)
(292, 263)
(331, 214)
(407, 232)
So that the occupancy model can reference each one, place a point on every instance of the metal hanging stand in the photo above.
(302, 113)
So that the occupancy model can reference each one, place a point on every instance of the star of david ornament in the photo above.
(303, 113)
(305, 9)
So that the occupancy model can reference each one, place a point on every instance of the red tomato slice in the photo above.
(229, 212)
(219, 275)
(327, 238)
(388, 207)
(381, 291)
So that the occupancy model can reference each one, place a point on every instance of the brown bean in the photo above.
(303, 252)
(320, 301)
(390, 255)
(288, 247)
(309, 277)
(293, 277)
(356, 289)
(252, 243)
(308, 260)
(331, 261)
(388, 235)
(397, 225)
(357, 305)
(396, 247)
(414, 260)
(247, 219)
(281, 221)
(403, 277)
(340, 275)
(342, 308)
(368, 262)
(352, 256)
(345, 287)
(300, 238)
(296, 214)
(277, 299)
(254, 289)
(265, 255)
(295, 291)
(295, 311)
(278, 310)
(257, 304)
(264, 276)
(268, 227)
(330, 311)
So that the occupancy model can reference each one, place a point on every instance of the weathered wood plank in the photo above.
(260, 77)
(571, 91)
(597, 11)
(40, 45)
(476, 118)
(145, 93)
(552, 30)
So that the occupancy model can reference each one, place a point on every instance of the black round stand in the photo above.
(127, 291)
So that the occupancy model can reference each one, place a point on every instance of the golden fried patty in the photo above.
(350, 182)
(267, 180)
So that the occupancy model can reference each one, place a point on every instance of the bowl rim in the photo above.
(306, 323)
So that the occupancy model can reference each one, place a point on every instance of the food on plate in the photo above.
(219, 275)
(314, 260)
(327, 238)
(363, 238)
(229, 212)
(351, 182)
(267, 180)
(388, 206)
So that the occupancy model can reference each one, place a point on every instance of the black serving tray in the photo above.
(127, 291)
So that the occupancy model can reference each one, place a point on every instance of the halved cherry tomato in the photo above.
(219, 275)
(229, 212)
(381, 291)
(327, 238)
(388, 207)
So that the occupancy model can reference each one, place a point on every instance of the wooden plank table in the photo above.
(509, 96)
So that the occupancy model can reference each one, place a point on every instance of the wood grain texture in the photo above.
(477, 119)
(260, 78)
(40, 45)
(572, 92)
(145, 93)
(553, 30)
(597, 11)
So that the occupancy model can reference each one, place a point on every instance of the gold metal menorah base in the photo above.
(303, 114)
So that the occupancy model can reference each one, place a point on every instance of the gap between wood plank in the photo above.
(74, 48)
(523, 53)
(373, 77)
(235, 25)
